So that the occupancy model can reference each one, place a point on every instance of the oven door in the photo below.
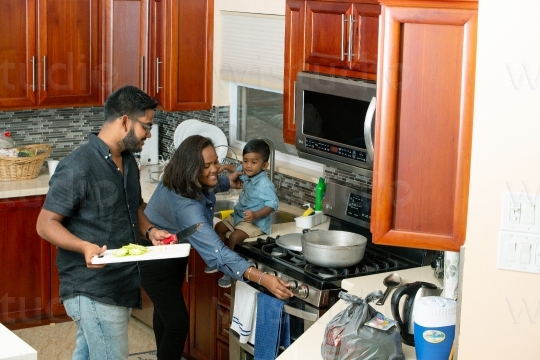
(300, 321)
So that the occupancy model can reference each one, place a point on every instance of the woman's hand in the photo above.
(277, 286)
(234, 179)
(226, 167)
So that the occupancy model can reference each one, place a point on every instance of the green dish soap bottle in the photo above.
(320, 191)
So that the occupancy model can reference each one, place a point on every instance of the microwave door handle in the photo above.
(368, 124)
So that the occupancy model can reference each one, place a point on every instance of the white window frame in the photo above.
(285, 161)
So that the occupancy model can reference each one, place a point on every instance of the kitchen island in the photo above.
(13, 348)
(308, 346)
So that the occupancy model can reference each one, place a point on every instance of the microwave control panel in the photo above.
(335, 150)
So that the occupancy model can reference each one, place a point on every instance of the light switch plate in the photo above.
(519, 252)
(521, 212)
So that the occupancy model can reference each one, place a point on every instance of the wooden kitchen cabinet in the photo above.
(424, 118)
(337, 38)
(202, 311)
(342, 38)
(134, 46)
(125, 29)
(49, 53)
(25, 284)
(188, 55)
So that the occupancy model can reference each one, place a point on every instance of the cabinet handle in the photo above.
(225, 330)
(142, 74)
(294, 105)
(351, 37)
(33, 73)
(343, 21)
(187, 273)
(157, 75)
(227, 295)
(44, 73)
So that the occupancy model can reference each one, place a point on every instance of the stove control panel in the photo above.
(309, 294)
(348, 204)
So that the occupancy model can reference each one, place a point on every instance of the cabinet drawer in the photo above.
(224, 297)
(223, 323)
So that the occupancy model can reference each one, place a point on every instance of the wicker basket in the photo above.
(24, 168)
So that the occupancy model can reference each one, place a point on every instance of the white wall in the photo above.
(500, 317)
(275, 7)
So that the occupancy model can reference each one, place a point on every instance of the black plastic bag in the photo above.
(347, 338)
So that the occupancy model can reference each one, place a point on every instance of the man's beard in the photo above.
(131, 142)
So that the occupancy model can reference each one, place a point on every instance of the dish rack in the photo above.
(24, 168)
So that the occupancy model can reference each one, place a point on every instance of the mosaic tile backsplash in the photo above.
(66, 129)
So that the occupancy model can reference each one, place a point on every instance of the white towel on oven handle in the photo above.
(244, 313)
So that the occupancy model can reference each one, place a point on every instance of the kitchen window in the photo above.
(252, 62)
(258, 112)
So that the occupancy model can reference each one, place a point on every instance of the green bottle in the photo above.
(320, 190)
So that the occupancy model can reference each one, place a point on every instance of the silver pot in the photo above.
(332, 248)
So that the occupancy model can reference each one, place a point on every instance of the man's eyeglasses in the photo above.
(145, 126)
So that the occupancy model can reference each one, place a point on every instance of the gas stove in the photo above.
(314, 284)
(348, 209)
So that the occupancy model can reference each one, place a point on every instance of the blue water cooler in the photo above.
(434, 327)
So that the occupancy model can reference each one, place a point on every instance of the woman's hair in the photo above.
(182, 173)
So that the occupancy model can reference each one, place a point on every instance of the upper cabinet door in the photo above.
(364, 39)
(18, 62)
(126, 45)
(68, 51)
(189, 60)
(342, 38)
(424, 124)
(294, 63)
(157, 38)
(327, 33)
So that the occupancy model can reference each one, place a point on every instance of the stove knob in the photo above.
(303, 292)
(292, 284)
(253, 263)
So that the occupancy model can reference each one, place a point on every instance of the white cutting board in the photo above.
(153, 253)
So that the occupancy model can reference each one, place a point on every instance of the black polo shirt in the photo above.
(99, 205)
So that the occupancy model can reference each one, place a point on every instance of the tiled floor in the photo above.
(57, 341)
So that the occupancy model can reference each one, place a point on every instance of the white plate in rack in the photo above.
(181, 129)
(153, 253)
(213, 132)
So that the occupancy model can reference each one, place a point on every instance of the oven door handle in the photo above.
(368, 124)
(300, 313)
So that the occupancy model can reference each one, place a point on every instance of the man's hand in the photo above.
(156, 236)
(90, 250)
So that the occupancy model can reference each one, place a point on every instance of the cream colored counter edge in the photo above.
(40, 185)
(308, 346)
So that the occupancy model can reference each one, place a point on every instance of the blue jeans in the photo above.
(102, 329)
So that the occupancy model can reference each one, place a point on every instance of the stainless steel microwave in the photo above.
(334, 121)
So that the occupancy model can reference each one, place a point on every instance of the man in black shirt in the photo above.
(94, 203)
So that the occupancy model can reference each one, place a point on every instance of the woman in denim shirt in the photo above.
(186, 196)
